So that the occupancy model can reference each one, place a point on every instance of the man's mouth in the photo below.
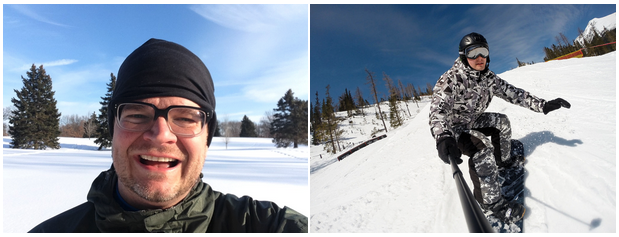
(159, 162)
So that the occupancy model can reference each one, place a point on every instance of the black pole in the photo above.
(475, 218)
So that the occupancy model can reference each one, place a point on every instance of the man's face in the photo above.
(478, 64)
(174, 163)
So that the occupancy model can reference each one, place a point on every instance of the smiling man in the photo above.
(162, 118)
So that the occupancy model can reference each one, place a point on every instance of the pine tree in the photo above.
(217, 130)
(395, 119)
(289, 125)
(360, 102)
(316, 123)
(104, 138)
(35, 122)
(330, 125)
(248, 128)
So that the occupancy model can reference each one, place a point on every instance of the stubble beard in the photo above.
(148, 192)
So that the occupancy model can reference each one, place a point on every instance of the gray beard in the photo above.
(145, 191)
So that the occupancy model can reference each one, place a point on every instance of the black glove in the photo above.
(447, 146)
(555, 104)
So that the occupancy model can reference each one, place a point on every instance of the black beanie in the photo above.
(161, 68)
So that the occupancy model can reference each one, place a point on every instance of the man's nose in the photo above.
(160, 132)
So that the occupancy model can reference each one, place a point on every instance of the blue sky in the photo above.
(255, 53)
(418, 43)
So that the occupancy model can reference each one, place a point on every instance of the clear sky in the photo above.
(255, 53)
(418, 43)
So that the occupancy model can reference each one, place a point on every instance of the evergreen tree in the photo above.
(347, 103)
(217, 130)
(104, 138)
(248, 128)
(360, 102)
(289, 125)
(395, 119)
(35, 123)
(394, 96)
(316, 123)
(330, 125)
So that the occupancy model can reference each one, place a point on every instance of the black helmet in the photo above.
(472, 39)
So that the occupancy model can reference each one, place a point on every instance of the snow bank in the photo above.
(41, 184)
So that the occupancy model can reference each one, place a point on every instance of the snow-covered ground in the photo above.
(38, 185)
(399, 184)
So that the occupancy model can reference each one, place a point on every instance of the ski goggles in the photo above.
(474, 52)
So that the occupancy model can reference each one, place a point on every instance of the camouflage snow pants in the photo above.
(488, 144)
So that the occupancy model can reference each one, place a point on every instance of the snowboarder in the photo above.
(460, 125)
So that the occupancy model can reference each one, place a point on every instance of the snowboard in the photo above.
(511, 180)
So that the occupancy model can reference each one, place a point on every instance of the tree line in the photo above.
(324, 122)
(565, 46)
(35, 123)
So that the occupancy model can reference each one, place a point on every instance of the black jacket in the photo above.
(203, 210)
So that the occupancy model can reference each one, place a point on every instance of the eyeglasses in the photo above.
(473, 52)
(183, 121)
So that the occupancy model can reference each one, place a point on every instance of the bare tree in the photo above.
(6, 115)
(224, 125)
(429, 88)
(90, 126)
(72, 125)
(370, 80)
(264, 127)
(394, 97)
(411, 90)
(405, 96)
(330, 124)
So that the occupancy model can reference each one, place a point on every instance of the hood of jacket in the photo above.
(192, 214)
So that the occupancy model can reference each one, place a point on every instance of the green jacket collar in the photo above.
(193, 214)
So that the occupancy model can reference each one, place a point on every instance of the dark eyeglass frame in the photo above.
(474, 52)
(208, 114)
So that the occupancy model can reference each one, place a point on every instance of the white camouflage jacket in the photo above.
(462, 94)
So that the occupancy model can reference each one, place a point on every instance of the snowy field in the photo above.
(399, 184)
(38, 185)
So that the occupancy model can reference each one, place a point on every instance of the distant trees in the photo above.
(289, 125)
(316, 122)
(248, 128)
(6, 115)
(325, 124)
(360, 101)
(102, 132)
(347, 103)
(90, 126)
(395, 120)
(264, 127)
(34, 123)
(227, 128)
(72, 125)
(591, 46)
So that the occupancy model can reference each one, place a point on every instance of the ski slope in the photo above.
(38, 185)
(399, 184)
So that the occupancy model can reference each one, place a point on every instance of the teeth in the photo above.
(157, 159)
